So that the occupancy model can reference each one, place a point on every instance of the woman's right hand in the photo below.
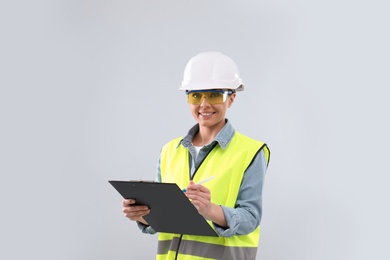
(134, 212)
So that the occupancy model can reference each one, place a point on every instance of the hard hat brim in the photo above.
(200, 86)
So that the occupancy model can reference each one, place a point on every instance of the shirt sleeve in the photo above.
(146, 228)
(246, 215)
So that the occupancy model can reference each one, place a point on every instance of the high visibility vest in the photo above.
(228, 166)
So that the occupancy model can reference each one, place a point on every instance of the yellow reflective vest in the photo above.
(228, 166)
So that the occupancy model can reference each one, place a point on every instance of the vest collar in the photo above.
(223, 138)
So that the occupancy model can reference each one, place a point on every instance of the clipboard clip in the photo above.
(147, 181)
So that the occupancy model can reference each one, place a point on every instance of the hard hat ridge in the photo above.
(211, 70)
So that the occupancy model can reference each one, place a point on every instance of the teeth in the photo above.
(206, 114)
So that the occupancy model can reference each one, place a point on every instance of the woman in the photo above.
(232, 201)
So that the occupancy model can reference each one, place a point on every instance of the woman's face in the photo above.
(212, 116)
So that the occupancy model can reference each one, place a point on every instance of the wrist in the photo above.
(143, 221)
(216, 215)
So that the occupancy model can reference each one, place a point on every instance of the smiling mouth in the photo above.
(206, 114)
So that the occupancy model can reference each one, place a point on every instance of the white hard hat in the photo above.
(211, 70)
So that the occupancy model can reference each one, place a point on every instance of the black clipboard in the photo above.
(170, 209)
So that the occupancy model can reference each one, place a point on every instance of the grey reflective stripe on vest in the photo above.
(206, 250)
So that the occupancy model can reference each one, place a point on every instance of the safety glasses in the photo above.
(213, 96)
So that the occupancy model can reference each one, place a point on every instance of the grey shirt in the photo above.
(246, 215)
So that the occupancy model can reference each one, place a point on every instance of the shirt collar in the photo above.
(223, 138)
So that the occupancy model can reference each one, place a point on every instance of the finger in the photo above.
(135, 208)
(199, 190)
(126, 211)
(198, 187)
(199, 206)
(135, 216)
(131, 213)
(127, 202)
(198, 197)
(201, 193)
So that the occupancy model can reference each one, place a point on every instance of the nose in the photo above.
(204, 102)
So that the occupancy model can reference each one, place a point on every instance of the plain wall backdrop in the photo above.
(88, 93)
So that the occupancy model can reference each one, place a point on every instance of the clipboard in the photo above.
(170, 210)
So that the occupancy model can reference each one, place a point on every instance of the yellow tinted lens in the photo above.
(214, 97)
(196, 98)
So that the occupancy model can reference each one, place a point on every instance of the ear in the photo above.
(231, 99)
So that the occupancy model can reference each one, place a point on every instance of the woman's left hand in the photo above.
(200, 197)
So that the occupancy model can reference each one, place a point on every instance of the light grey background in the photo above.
(89, 93)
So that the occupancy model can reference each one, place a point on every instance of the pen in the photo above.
(202, 181)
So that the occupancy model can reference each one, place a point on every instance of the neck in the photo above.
(207, 134)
